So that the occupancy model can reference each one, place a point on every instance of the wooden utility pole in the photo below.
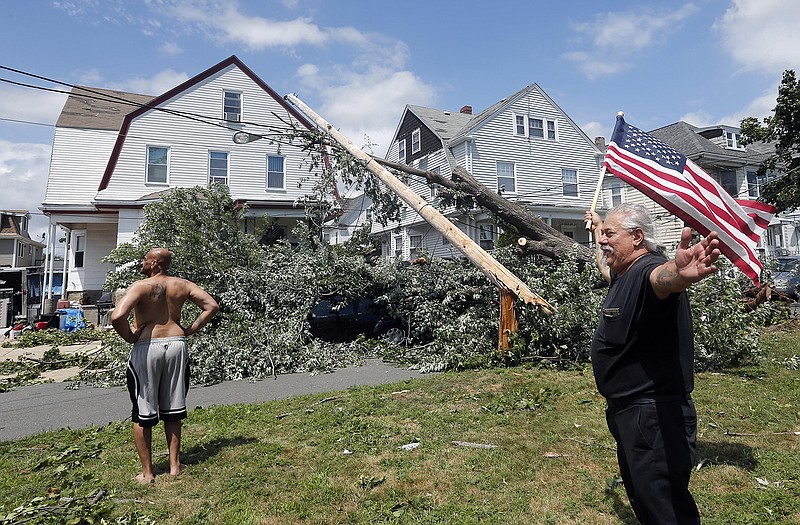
(497, 273)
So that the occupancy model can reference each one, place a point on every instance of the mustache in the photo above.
(607, 249)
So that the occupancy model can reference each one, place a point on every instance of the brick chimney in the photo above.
(600, 142)
(467, 110)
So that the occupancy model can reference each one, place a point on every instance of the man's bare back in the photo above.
(157, 302)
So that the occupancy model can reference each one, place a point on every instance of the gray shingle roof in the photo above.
(96, 108)
(446, 124)
(685, 138)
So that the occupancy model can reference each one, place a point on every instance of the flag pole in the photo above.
(596, 195)
(599, 187)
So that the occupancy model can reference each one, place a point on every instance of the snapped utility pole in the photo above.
(497, 273)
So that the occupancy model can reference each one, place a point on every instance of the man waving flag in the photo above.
(684, 189)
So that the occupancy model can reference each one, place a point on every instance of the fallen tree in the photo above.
(467, 192)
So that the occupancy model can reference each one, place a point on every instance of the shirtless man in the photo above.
(158, 373)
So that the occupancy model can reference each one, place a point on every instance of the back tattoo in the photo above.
(157, 292)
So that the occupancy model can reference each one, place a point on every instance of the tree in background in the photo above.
(782, 128)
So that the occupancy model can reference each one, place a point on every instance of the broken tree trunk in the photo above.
(508, 322)
(496, 272)
(541, 238)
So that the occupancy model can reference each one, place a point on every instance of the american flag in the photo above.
(684, 189)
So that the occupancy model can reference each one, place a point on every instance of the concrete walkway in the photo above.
(29, 410)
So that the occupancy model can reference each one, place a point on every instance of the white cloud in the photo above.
(596, 129)
(224, 21)
(700, 118)
(366, 105)
(759, 107)
(159, 83)
(622, 35)
(593, 67)
(171, 48)
(762, 35)
(23, 170)
(31, 105)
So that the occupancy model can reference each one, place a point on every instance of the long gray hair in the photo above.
(636, 216)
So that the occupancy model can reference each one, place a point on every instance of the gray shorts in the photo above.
(158, 380)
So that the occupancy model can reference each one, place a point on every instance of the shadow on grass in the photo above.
(727, 453)
(619, 502)
(203, 451)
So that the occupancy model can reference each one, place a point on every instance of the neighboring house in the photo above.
(20, 266)
(524, 146)
(718, 150)
(115, 152)
(355, 213)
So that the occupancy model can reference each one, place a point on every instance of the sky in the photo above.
(358, 63)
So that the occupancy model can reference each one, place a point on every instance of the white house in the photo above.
(524, 146)
(114, 152)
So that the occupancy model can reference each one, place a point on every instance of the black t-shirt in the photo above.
(643, 345)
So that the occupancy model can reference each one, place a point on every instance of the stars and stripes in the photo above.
(684, 189)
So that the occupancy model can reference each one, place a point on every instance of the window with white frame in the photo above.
(519, 125)
(727, 179)
(535, 128)
(733, 140)
(753, 190)
(276, 172)
(486, 236)
(20, 249)
(434, 188)
(569, 182)
(401, 150)
(157, 164)
(551, 130)
(232, 106)
(415, 141)
(415, 242)
(506, 178)
(218, 167)
(79, 249)
(616, 193)
(398, 246)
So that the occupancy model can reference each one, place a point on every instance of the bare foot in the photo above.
(181, 468)
(145, 480)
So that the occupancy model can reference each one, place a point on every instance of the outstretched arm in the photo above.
(690, 265)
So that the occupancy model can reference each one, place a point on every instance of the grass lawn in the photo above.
(397, 454)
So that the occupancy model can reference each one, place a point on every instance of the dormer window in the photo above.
(732, 140)
(232, 106)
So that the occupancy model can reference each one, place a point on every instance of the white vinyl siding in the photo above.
(188, 159)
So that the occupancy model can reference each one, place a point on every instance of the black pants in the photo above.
(656, 450)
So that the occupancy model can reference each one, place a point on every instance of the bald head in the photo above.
(156, 261)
